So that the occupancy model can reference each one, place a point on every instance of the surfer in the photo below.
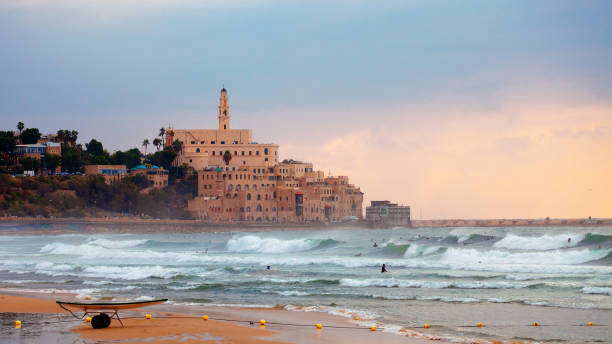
(375, 244)
(358, 254)
(383, 269)
(569, 239)
(268, 267)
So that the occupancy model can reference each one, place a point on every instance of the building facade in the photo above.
(156, 175)
(111, 173)
(240, 180)
(387, 213)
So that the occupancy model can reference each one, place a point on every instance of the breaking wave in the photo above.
(541, 243)
(252, 243)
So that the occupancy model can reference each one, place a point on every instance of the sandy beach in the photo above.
(184, 327)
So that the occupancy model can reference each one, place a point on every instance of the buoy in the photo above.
(479, 325)
(535, 323)
(426, 326)
(319, 326)
(147, 316)
(373, 328)
(262, 322)
(589, 324)
(88, 319)
(17, 323)
(204, 317)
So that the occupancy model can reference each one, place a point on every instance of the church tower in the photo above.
(223, 111)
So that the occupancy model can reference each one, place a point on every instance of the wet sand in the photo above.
(183, 324)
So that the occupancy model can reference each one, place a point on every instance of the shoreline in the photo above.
(171, 323)
(135, 225)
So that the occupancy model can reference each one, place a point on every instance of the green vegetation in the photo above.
(76, 195)
(81, 196)
(30, 136)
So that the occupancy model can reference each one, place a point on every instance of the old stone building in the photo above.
(240, 180)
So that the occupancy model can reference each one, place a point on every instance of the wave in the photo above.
(395, 283)
(541, 243)
(117, 244)
(251, 243)
(415, 250)
(594, 239)
(456, 256)
(597, 290)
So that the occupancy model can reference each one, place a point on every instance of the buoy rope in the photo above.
(253, 322)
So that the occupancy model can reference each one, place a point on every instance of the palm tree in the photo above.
(157, 142)
(177, 146)
(227, 156)
(72, 137)
(145, 143)
(20, 127)
(162, 134)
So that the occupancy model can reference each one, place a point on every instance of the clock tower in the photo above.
(224, 116)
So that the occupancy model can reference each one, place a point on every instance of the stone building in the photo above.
(240, 180)
(387, 213)
(111, 173)
(156, 175)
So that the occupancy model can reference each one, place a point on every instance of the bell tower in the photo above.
(223, 111)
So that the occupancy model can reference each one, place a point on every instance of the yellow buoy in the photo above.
(373, 328)
(589, 324)
(204, 317)
(262, 322)
(426, 326)
(480, 325)
(147, 316)
(88, 319)
(319, 326)
(17, 323)
(535, 323)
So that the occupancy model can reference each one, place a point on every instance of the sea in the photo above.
(450, 278)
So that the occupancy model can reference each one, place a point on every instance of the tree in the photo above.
(177, 146)
(20, 127)
(7, 141)
(52, 161)
(72, 137)
(30, 164)
(157, 143)
(100, 160)
(30, 136)
(71, 160)
(162, 134)
(164, 158)
(130, 158)
(227, 157)
(94, 147)
(145, 143)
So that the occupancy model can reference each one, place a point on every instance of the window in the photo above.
(242, 209)
(259, 197)
(238, 187)
(193, 142)
(235, 153)
(248, 209)
(274, 209)
(242, 153)
(212, 142)
(266, 151)
(259, 208)
(223, 142)
(230, 187)
(248, 196)
(197, 150)
(213, 153)
(257, 153)
(266, 159)
(203, 142)
(250, 153)
(254, 186)
(220, 153)
(246, 187)
(224, 126)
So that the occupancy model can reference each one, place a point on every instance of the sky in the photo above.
(460, 109)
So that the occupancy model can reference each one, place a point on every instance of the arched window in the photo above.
(255, 187)
(266, 151)
(230, 187)
(248, 197)
(248, 209)
(238, 187)
(259, 197)
(259, 208)
(228, 195)
(198, 150)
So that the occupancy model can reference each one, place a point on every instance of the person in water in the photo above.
(268, 267)
(383, 269)
(375, 245)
